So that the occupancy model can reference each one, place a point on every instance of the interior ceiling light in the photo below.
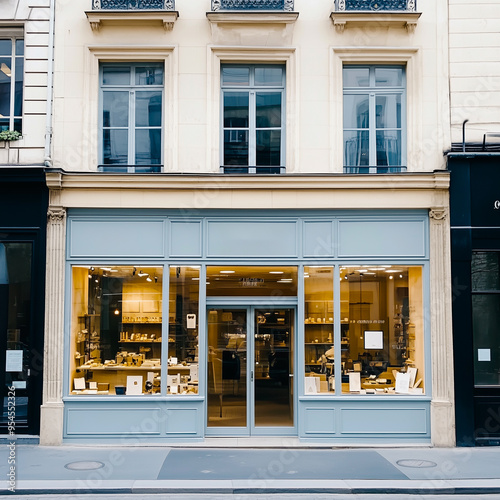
(141, 274)
(275, 272)
(227, 272)
(149, 278)
(393, 271)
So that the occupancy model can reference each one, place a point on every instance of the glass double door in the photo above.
(250, 371)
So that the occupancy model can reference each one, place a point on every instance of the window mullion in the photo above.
(131, 132)
(12, 83)
(372, 131)
(252, 132)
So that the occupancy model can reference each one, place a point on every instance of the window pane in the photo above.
(356, 111)
(251, 281)
(115, 109)
(356, 77)
(268, 112)
(269, 76)
(236, 109)
(148, 147)
(18, 96)
(388, 111)
(268, 147)
(318, 329)
(485, 319)
(356, 149)
(389, 148)
(5, 47)
(17, 124)
(20, 47)
(5, 85)
(388, 77)
(485, 271)
(116, 323)
(116, 75)
(115, 147)
(148, 109)
(183, 330)
(236, 147)
(382, 324)
(235, 76)
(149, 75)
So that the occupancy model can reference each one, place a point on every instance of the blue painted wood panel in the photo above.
(184, 421)
(117, 238)
(372, 238)
(319, 421)
(249, 238)
(185, 238)
(318, 239)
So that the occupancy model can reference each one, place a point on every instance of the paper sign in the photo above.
(19, 384)
(354, 381)
(191, 321)
(403, 383)
(79, 383)
(134, 385)
(482, 354)
(374, 339)
(14, 361)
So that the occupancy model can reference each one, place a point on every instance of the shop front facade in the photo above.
(240, 319)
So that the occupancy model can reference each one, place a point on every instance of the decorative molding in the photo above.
(438, 214)
(100, 18)
(56, 215)
(380, 19)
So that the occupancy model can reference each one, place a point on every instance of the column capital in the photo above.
(438, 213)
(56, 215)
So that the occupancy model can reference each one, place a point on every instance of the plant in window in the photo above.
(10, 135)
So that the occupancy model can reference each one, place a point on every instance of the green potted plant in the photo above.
(10, 135)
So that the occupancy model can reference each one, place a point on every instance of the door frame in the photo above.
(251, 304)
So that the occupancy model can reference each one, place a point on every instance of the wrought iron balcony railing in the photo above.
(376, 5)
(133, 5)
(275, 5)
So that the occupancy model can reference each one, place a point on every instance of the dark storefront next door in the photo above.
(485, 274)
(20, 359)
(250, 371)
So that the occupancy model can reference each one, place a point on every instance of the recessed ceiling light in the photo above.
(275, 272)
(227, 272)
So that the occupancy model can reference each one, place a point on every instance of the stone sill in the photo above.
(99, 18)
(348, 19)
(252, 17)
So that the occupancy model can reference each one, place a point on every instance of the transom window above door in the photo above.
(253, 117)
(374, 119)
(131, 117)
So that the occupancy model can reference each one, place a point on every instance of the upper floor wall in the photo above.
(193, 39)
(474, 68)
(24, 54)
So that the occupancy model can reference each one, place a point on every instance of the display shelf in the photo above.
(119, 368)
(150, 341)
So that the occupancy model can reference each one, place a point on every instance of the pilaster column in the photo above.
(51, 427)
(442, 405)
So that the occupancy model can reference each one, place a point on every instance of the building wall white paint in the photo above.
(474, 68)
(314, 104)
(34, 16)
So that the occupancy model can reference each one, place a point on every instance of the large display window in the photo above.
(382, 329)
(116, 330)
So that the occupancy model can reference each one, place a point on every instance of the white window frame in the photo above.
(369, 55)
(373, 92)
(90, 154)
(131, 128)
(253, 55)
(14, 35)
(252, 90)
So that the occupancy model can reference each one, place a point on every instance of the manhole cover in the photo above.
(417, 464)
(88, 465)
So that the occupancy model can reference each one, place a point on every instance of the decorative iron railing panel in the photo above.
(376, 5)
(133, 4)
(278, 5)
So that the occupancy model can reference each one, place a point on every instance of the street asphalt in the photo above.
(142, 470)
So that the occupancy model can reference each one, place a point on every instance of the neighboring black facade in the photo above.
(475, 247)
(23, 221)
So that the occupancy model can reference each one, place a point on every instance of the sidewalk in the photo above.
(202, 469)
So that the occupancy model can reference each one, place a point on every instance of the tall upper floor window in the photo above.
(253, 117)
(374, 119)
(11, 83)
(131, 117)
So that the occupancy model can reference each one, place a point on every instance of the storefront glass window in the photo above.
(183, 342)
(116, 330)
(382, 330)
(318, 330)
(251, 281)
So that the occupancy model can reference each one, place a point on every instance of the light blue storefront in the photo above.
(250, 238)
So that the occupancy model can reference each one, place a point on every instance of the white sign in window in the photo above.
(484, 354)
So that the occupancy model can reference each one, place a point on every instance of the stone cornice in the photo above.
(438, 180)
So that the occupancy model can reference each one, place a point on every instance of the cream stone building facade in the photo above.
(249, 223)
(26, 38)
